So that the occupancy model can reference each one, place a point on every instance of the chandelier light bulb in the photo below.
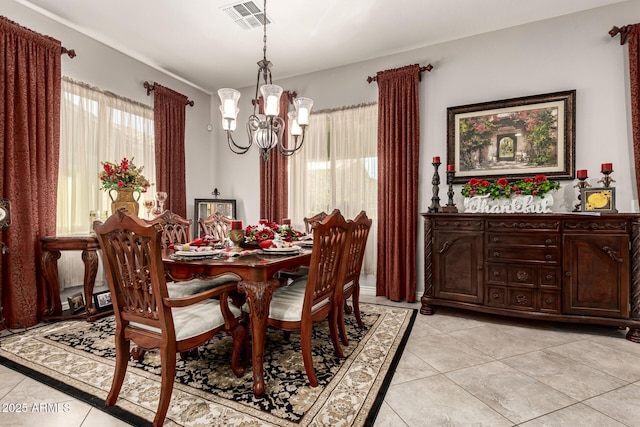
(303, 109)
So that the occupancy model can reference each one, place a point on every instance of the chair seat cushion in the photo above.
(195, 319)
(286, 302)
(195, 286)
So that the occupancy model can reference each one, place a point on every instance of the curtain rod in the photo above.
(350, 107)
(70, 52)
(623, 31)
(151, 87)
(428, 67)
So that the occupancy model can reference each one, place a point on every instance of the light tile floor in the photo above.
(459, 369)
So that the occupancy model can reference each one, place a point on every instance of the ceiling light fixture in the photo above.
(265, 130)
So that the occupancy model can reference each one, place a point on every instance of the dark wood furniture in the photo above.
(316, 297)
(215, 225)
(51, 247)
(146, 314)
(175, 229)
(560, 267)
(258, 274)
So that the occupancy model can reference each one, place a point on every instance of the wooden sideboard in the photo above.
(560, 267)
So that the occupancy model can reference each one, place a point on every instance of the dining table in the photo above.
(258, 272)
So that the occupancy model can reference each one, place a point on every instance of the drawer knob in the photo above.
(496, 273)
(496, 240)
(548, 301)
(549, 277)
(496, 254)
(548, 241)
(496, 295)
(548, 257)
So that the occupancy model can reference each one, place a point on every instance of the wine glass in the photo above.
(148, 205)
(161, 197)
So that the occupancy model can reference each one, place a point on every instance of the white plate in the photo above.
(196, 253)
(304, 243)
(281, 250)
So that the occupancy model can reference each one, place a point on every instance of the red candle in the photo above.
(436, 159)
(236, 225)
(582, 174)
(607, 167)
(263, 221)
(286, 221)
(451, 168)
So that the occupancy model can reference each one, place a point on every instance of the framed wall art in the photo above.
(595, 199)
(513, 138)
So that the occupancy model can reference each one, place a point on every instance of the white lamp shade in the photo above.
(271, 95)
(303, 110)
(294, 128)
(229, 103)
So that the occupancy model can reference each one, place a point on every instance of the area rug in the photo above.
(77, 358)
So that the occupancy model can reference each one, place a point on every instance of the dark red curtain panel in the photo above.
(169, 118)
(398, 155)
(633, 37)
(29, 149)
(274, 183)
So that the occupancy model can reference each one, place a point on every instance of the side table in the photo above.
(51, 247)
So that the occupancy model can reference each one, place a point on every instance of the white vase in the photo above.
(514, 204)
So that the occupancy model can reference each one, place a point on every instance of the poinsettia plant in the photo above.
(125, 175)
(503, 188)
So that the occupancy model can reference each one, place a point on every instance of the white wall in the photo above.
(570, 52)
(107, 69)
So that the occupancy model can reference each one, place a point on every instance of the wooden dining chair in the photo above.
(175, 228)
(216, 225)
(314, 298)
(353, 259)
(308, 222)
(147, 315)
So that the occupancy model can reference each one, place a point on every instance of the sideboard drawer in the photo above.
(505, 254)
(523, 239)
(521, 299)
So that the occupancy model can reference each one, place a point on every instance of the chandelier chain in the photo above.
(264, 26)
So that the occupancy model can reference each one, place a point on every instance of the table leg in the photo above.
(258, 298)
(90, 259)
(49, 262)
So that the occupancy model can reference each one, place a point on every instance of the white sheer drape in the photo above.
(337, 167)
(96, 126)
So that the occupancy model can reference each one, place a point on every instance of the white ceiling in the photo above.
(196, 41)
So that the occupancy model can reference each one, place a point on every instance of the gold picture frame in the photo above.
(598, 199)
(513, 138)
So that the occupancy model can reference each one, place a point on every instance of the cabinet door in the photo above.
(596, 269)
(457, 263)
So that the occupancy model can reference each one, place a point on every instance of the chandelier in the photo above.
(265, 130)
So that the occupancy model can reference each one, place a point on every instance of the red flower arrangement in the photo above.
(270, 231)
(125, 175)
(502, 188)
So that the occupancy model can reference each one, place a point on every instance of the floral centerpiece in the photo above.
(503, 189)
(270, 234)
(125, 175)
(527, 195)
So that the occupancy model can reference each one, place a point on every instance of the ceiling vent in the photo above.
(246, 14)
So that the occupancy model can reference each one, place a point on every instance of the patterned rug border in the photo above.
(126, 410)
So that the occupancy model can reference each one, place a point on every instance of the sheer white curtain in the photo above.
(96, 126)
(337, 167)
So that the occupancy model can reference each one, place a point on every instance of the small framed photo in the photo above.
(76, 303)
(102, 301)
(598, 199)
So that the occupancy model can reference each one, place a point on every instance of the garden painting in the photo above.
(512, 138)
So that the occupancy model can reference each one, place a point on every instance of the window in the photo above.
(337, 167)
(97, 126)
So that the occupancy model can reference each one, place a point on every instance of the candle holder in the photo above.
(435, 200)
(236, 237)
(606, 180)
(582, 183)
(451, 207)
